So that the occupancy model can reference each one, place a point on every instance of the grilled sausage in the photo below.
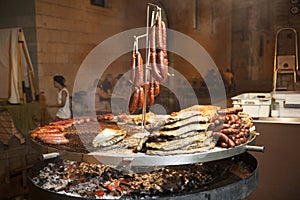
(164, 38)
(134, 100)
(163, 66)
(151, 95)
(133, 69)
(228, 131)
(223, 144)
(155, 72)
(141, 98)
(159, 33)
(222, 137)
(156, 88)
(152, 39)
(139, 76)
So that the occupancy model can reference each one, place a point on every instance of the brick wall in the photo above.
(213, 30)
(16, 13)
(67, 30)
(254, 26)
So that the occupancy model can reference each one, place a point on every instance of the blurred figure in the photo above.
(229, 80)
(63, 99)
(102, 98)
(108, 84)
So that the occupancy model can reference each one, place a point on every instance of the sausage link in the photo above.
(230, 143)
(223, 138)
(151, 95)
(134, 100)
(235, 126)
(159, 33)
(141, 98)
(152, 39)
(237, 141)
(139, 76)
(156, 88)
(225, 126)
(155, 72)
(164, 38)
(240, 134)
(230, 131)
(246, 134)
(220, 137)
(163, 66)
(243, 140)
(231, 118)
(133, 69)
(233, 137)
(233, 110)
(58, 141)
(223, 144)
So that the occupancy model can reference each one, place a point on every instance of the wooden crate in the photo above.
(8, 129)
(15, 160)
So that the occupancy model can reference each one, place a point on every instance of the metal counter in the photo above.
(278, 120)
(279, 172)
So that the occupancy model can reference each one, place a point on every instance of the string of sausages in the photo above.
(158, 66)
(231, 127)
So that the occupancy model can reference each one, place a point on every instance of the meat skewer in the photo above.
(134, 100)
(158, 64)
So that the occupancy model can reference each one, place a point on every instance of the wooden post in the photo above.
(21, 72)
(32, 82)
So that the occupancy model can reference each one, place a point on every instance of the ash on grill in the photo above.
(102, 181)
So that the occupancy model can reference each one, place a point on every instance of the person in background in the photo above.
(108, 84)
(102, 98)
(63, 99)
(229, 80)
(105, 91)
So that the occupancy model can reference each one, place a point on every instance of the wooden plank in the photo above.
(20, 71)
(13, 189)
(32, 81)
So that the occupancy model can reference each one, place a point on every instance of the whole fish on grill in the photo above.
(177, 144)
(184, 122)
(108, 137)
(184, 129)
(203, 110)
(199, 149)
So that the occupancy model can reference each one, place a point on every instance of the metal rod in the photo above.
(50, 155)
(255, 148)
(136, 47)
(275, 67)
(158, 11)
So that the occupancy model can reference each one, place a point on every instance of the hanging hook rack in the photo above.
(154, 15)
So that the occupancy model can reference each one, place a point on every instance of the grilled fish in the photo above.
(185, 129)
(187, 121)
(181, 151)
(203, 110)
(177, 144)
(108, 137)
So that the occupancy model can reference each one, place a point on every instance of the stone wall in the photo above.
(213, 30)
(254, 26)
(16, 13)
(61, 33)
(67, 30)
